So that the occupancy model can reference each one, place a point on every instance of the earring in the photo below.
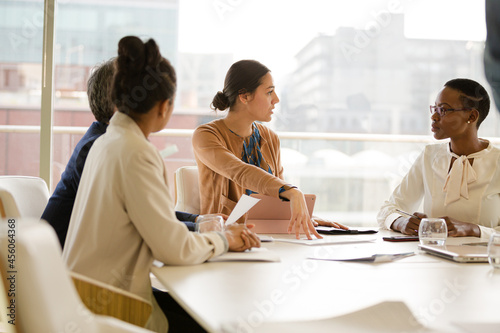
(468, 121)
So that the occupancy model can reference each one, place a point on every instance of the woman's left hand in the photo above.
(300, 219)
(461, 229)
(326, 223)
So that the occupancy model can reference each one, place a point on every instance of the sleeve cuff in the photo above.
(219, 242)
(190, 225)
(485, 232)
(390, 220)
(283, 189)
(224, 240)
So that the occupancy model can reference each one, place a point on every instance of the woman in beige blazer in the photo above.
(124, 217)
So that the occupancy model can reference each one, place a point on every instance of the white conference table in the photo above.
(438, 292)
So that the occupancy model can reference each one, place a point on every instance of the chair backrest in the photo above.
(8, 207)
(46, 299)
(105, 299)
(30, 195)
(187, 190)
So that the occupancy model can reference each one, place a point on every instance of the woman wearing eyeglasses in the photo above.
(458, 180)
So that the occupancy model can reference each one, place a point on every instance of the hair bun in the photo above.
(220, 101)
(142, 77)
(153, 56)
(131, 55)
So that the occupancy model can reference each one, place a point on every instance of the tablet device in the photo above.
(272, 215)
(458, 253)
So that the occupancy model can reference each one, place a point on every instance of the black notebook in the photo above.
(336, 231)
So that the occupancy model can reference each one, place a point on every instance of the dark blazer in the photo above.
(58, 210)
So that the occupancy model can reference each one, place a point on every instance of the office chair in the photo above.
(187, 190)
(30, 195)
(45, 297)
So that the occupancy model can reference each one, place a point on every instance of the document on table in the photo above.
(385, 317)
(255, 254)
(242, 206)
(479, 327)
(332, 240)
(266, 238)
(375, 258)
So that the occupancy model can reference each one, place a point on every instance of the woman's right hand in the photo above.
(300, 214)
(240, 237)
(408, 225)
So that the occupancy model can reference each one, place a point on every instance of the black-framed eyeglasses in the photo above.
(441, 111)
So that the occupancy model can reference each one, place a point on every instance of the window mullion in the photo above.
(47, 92)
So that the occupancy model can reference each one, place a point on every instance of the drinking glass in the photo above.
(432, 231)
(494, 250)
(209, 222)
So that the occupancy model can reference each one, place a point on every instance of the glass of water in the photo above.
(494, 250)
(432, 231)
(209, 222)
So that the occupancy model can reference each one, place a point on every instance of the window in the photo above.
(353, 72)
(21, 28)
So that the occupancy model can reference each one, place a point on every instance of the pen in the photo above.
(407, 214)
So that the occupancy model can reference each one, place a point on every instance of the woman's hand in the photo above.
(300, 214)
(408, 225)
(326, 223)
(240, 237)
(461, 229)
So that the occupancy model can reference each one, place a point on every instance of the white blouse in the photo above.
(471, 195)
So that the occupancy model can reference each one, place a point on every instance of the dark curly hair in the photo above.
(142, 76)
(473, 95)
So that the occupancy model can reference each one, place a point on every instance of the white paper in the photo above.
(243, 206)
(266, 238)
(255, 254)
(385, 317)
(334, 240)
(375, 258)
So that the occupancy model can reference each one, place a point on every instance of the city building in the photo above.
(365, 81)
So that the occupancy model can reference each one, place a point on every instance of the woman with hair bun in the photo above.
(237, 155)
(124, 217)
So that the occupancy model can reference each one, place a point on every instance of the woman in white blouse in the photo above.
(458, 180)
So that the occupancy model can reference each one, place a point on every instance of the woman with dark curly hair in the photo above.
(124, 217)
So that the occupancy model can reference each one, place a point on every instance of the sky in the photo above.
(273, 31)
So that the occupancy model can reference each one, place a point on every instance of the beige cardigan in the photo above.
(223, 176)
(124, 217)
